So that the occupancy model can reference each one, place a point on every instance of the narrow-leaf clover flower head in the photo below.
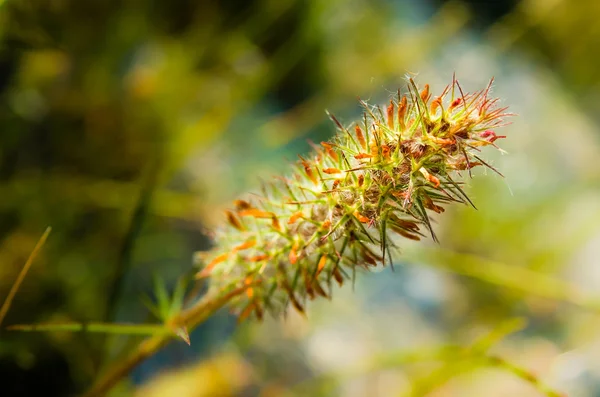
(344, 206)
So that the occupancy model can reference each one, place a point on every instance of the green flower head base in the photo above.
(344, 206)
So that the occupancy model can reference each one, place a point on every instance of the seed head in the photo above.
(344, 206)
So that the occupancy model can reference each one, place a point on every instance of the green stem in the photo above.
(189, 318)
(122, 329)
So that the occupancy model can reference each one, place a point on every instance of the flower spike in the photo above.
(342, 205)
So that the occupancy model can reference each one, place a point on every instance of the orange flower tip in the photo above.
(442, 141)
(207, 270)
(275, 223)
(258, 258)
(242, 205)
(434, 181)
(402, 109)
(295, 217)
(204, 273)
(360, 217)
(437, 102)
(385, 151)
(256, 213)
(402, 195)
(431, 178)
(360, 136)
(308, 170)
(330, 152)
(374, 148)
(402, 112)
(455, 103)
(361, 156)
(246, 245)
(425, 93)
(491, 136)
(390, 115)
(326, 224)
(234, 221)
(294, 253)
(321, 264)
(332, 171)
(219, 259)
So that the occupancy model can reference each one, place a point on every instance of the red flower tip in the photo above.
(491, 135)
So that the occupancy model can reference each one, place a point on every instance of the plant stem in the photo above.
(104, 328)
(189, 318)
(15, 287)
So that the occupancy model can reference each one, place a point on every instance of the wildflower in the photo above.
(341, 207)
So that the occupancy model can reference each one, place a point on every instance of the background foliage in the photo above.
(129, 125)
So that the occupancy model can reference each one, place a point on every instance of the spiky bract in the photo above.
(340, 207)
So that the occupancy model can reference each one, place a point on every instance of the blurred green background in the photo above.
(129, 125)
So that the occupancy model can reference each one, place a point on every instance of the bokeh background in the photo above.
(129, 125)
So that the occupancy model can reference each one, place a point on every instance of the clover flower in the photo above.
(344, 206)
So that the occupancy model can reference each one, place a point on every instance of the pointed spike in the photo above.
(383, 228)
(338, 276)
(183, 334)
(425, 217)
(335, 120)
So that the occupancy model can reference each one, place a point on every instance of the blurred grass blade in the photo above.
(123, 329)
(23, 273)
(389, 360)
(424, 385)
(515, 277)
(163, 302)
(434, 380)
(525, 375)
(147, 301)
(484, 343)
(178, 297)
